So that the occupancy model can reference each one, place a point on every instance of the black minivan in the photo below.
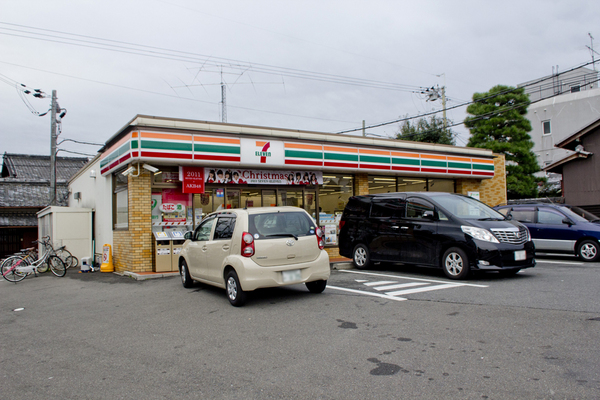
(445, 230)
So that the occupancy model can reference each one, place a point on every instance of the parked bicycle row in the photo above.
(18, 266)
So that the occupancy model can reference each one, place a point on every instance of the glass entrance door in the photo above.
(269, 198)
(290, 197)
(232, 198)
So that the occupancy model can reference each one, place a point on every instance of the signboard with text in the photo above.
(230, 176)
(193, 179)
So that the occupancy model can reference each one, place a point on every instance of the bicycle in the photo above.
(16, 268)
(69, 259)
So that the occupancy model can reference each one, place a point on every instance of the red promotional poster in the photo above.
(193, 179)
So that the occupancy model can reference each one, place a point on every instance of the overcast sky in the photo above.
(310, 65)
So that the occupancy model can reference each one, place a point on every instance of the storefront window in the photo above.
(171, 210)
(412, 184)
(440, 185)
(382, 184)
(269, 198)
(120, 202)
(333, 196)
(291, 197)
(251, 198)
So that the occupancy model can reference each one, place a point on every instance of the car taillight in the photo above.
(342, 224)
(247, 245)
(320, 240)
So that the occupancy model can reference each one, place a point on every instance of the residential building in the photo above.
(560, 105)
(25, 190)
(581, 168)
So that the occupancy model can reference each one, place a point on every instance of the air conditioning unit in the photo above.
(77, 195)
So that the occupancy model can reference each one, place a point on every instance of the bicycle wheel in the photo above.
(43, 267)
(9, 270)
(57, 266)
(69, 259)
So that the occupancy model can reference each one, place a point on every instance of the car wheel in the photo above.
(186, 279)
(235, 294)
(316, 286)
(361, 257)
(588, 250)
(455, 263)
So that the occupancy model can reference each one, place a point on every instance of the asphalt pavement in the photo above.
(104, 336)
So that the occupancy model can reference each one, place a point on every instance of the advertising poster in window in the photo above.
(330, 232)
(253, 176)
(174, 205)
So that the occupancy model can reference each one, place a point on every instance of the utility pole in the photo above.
(444, 105)
(223, 100)
(53, 108)
(592, 50)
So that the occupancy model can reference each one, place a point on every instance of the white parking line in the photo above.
(366, 293)
(422, 289)
(399, 286)
(558, 262)
(378, 282)
(408, 278)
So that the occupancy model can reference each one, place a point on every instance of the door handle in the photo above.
(404, 227)
(394, 227)
(226, 247)
(204, 248)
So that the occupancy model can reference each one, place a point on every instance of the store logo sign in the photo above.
(263, 154)
(171, 207)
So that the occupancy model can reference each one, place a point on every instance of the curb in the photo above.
(336, 265)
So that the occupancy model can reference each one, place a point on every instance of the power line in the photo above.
(177, 55)
(170, 95)
(461, 104)
(483, 116)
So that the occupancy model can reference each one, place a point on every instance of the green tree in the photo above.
(497, 122)
(430, 131)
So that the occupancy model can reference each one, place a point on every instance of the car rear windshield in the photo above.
(280, 224)
(580, 213)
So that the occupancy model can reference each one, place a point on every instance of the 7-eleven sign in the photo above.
(262, 152)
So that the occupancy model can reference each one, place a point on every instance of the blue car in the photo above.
(557, 228)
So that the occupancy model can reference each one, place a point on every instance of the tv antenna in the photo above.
(224, 85)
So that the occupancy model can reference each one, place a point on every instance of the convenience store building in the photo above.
(161, 175)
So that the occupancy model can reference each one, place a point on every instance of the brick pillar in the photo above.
(133, 248)
(361, 184)
(491, 191)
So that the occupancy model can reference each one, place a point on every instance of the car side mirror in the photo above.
(567, 221)
(188, 235)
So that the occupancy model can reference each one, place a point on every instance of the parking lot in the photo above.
(389, 332)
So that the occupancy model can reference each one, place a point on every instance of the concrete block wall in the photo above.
(134, 247)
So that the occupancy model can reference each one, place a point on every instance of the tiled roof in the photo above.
(18, 218)
(35, 168)
(28, 194)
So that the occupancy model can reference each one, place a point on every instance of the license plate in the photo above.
(291, 276)
(520, 255)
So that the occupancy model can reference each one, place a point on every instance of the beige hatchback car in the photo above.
(241, 250)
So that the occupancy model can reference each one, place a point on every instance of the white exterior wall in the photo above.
(567, 114)
(96, 193)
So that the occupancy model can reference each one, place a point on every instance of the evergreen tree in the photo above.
(497, 122)
(430, 131)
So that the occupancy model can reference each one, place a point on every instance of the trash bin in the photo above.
(176, 245)
(162, 252)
